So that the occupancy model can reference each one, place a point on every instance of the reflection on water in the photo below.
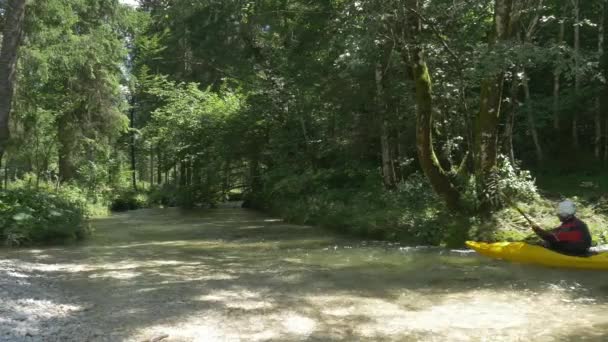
(232, 274)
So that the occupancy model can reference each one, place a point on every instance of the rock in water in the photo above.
(158, 338)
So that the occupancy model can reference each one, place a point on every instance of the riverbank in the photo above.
(413, 214)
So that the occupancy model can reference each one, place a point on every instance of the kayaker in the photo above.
(571, 237)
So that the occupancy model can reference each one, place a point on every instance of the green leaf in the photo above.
(21, 217)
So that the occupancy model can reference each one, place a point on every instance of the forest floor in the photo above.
(238, 275)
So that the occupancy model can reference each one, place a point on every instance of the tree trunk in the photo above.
(604, 68)
(175, 179)
(255, 181)
(66, 137)
(577, 74)
(151, 180)
(599, 133)
(414, 58)
(159, 167)
(486, 124)
(6, 175)
(226, 178)
(132, 148)
(510, 123)
(182, 173)
(400, 153)
(530, 116)
(190, 173)
(424, 137)
(598, 107)
(1, 159)
(557, 79)
(12, 36)
(606, 141)
(486, 127)
(196, 172)
(388, 172)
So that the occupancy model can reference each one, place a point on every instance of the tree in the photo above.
(604, 71)
(577, 67)
(598, 105)
(486, 122)
(12, 36)
(81, 87)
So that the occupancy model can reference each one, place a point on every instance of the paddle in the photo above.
(522, 213)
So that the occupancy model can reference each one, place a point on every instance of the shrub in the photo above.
(235, 195)
(29, 216)
(355, 202)
(165, 195)
(130, 200)
(506, 180)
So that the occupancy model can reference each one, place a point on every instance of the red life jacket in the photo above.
(572, 231)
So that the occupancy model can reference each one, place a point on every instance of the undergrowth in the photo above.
(355, 202)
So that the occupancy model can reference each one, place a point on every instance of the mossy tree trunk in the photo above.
(415, 59)
(486, 132)
(437, 176)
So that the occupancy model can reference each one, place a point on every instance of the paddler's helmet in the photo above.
(566, 210)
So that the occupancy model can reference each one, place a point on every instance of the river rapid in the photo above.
(231, 274)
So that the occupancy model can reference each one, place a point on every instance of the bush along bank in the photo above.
(167, 195)
(357, 204)
(412, 213)
(40, 216)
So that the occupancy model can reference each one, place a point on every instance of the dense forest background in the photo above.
(408, 120)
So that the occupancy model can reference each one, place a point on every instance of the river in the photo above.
(237, 275)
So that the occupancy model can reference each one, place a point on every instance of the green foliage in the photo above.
(506, 183)
(128, 199)
(69, 107)
(411, 213)
(29, 216)
(165, 195)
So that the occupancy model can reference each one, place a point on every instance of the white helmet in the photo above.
(566, 209)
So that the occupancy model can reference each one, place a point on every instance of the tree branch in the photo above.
(534, 21)
(438, 35)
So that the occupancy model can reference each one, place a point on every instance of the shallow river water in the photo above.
(238, 275)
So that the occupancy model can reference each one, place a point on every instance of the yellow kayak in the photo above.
(531, 254)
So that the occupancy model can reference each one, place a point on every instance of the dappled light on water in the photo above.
(230, 274)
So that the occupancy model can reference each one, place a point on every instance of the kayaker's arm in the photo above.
(548, 236)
